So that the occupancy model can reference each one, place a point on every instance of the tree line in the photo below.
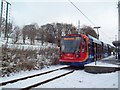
(45, 33)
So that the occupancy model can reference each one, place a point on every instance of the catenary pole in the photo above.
(1, 17)
(119, 30)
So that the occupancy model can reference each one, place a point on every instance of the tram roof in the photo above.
(95, 40)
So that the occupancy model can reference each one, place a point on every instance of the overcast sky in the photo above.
(103, 13)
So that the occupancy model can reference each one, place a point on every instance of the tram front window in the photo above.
(70, 44)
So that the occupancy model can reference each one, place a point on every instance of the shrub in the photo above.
(16, 60)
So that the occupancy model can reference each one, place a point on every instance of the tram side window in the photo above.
(83, 46)
(89, 47)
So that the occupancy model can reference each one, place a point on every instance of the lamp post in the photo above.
(97, 31)
(98, 38)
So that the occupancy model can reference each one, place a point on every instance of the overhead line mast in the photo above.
(1, 17)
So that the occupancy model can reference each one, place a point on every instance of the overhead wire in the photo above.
(86, 16)
(82, 13)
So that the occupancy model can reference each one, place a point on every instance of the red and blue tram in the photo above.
(80, 49)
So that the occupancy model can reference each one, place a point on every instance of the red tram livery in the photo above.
(80, 49)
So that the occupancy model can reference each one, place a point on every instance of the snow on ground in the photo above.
(78, 79)
(81, 79)
(112, 56)
(34, 80)
(103, 64)
(20, 45)
(28, 73)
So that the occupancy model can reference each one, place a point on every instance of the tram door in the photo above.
(94, 45)
(90, 50)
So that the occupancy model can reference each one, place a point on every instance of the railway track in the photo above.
(47, 80)
(36, 79)
(30, 76)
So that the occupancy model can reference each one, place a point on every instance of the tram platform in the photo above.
(105, 65)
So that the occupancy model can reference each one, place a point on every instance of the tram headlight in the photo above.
(77, 55)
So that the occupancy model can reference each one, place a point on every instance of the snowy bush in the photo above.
(16, 60)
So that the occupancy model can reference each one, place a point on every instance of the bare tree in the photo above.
(32, 33)
(3, 26)
(24, 33)
(89, 30)
(29, 31)
(16, 34)
(42, 33)
(59, 32)
(10, 26)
